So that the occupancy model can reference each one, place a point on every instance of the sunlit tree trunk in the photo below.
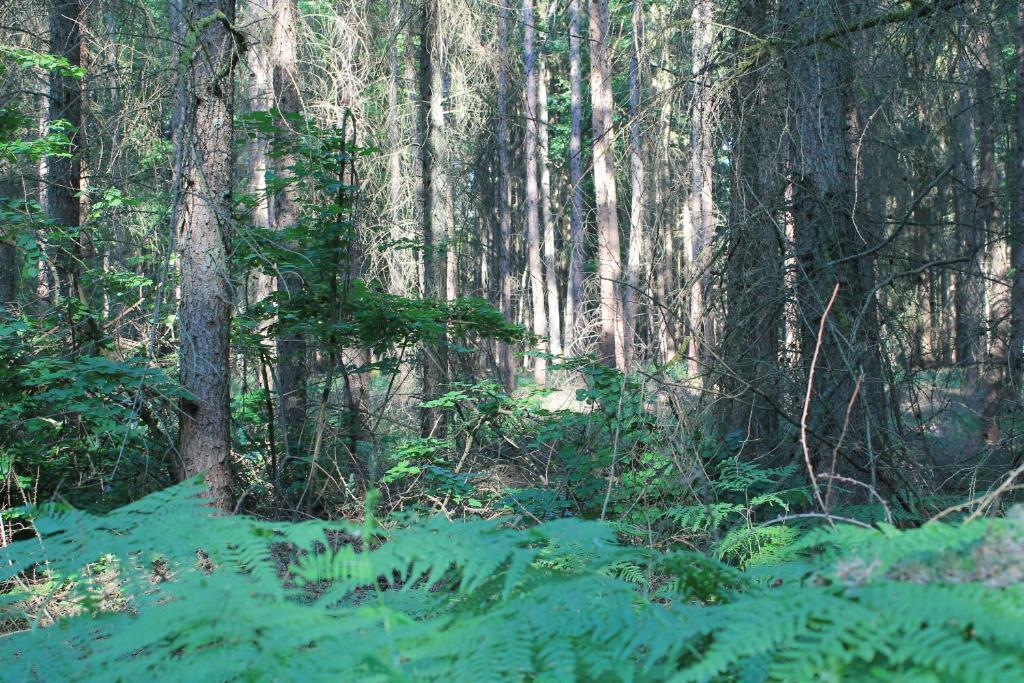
(438, 214)
(1016, 350)
(291, 345)
(550, 254)
(665, 196)
(533, 236)
(997, 258)
(204, 244)
(636, 249)
(969, 285)
(609, 256)
(396, 278)
(64, 173)
(702, 323)
(504, 198)
(577, 253)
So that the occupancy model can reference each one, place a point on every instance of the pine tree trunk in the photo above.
(702, 323)
(609, 256)
(291, 346)
(396, 278)
(997, 258)
(577, 256)
(550, 252)
(204, 243)
(533, 236)
(636, 247)
(437, 210)
(64, 173)
(749, 346)
(825, 129)
(1016, 351)
(969, 286)
(504, 199)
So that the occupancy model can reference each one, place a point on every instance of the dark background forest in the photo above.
(640, 309)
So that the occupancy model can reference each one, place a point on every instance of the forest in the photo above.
(512, 340)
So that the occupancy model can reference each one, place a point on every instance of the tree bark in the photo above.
(577, 247)
(437, 210)
(64, 173)
(504, 199)
(554, 322)
(1016, 351)
(829, 249)
(749, 350)
(996, 261)
(609, 256)
(396, 279)
(204, 244)
(970, 291)
(637, 200)
(702, 323)
(533, 237)
(291, 345)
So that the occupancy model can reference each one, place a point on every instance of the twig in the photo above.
(818, 515)
(869, 487)
(807, 403)
(842, 435)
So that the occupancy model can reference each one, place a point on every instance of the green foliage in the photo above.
(163, 588)
(76, 418)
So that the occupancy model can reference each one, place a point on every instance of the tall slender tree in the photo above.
(554, 322)
(577, 246)
(702, 219)
(204, 244)
(63, 173)
(1016, 351)
(504, 196)
(291, 345)
(609, 255)
(631, 293)
(438, 213)
(533, 236)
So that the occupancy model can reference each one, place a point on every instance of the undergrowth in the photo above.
(163, 588)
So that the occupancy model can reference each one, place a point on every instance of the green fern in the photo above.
(241, 599)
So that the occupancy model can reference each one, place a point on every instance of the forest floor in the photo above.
(944, 424)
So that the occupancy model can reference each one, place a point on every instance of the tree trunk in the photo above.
(609, 256)
(702, 323)
(437, 210)
(637, 188)
(969, 285)
(533, 237)
(749, 349)
(291, 345)
(64, 173)
(577, 254)
(204, 239)
(665, 201)
(550, 252)
(829, 247)
(504, 199)
(996, 261)
(1016, 352)
(396, 279)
